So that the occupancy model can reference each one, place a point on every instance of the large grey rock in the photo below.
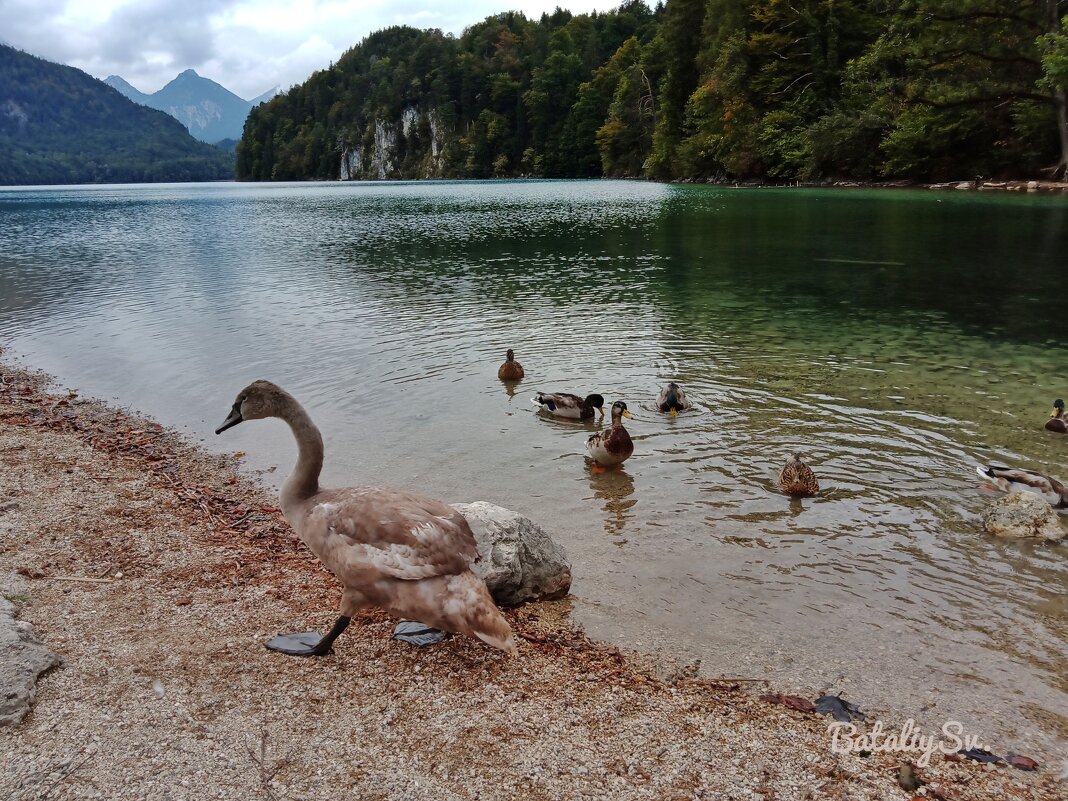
(22, 660)
(1022, 515)
(520, 562)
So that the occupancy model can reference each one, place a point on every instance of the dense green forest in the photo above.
(693, 89)
(59, 125)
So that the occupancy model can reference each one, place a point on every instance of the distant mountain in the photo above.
(59, 125)
(209, 111)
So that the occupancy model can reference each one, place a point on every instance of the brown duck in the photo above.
(613, 445)
(511, 370)
(1057, 421)
(796, 478)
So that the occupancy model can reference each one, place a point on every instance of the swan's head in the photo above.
(258, 400)
(619, 407)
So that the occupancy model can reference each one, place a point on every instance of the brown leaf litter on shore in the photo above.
(157, 571)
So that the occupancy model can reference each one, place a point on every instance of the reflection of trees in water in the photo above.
(615, 487)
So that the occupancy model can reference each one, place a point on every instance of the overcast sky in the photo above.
(248, 46)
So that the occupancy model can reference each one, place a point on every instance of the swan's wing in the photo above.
(375, 530)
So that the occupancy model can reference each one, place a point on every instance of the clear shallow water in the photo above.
(896, 338)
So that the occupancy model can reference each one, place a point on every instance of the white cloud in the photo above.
(245, 45)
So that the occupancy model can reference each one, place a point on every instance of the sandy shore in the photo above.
(157, 570)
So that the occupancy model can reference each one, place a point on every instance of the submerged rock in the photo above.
(520, 562)
(1023, 515)
(22, 660)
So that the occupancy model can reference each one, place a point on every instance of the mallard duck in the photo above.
(564, 404)
(1013, 479)
(1057, 421)
(613, 445)
(796, 478)
(673, 400)
(511, 370)
(406, 554)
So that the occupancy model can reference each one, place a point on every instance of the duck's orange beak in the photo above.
(674, 412)
(628, 415)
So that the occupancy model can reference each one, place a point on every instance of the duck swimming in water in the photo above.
(614, 445)
(511, 370)
(1013, 479)
(564, 404)
(796, 478)
(406, 554)
(1057, 422)
(673, 400)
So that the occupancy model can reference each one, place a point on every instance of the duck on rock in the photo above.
(396, 550)
(614, 445)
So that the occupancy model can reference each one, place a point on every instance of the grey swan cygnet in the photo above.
(403, 553)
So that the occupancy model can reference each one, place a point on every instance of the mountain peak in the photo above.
(190, 73)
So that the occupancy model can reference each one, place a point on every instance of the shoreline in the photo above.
(156, 570)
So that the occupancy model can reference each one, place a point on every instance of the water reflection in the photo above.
(613, 486)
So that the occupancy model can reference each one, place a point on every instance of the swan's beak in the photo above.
(231, 421)
(628, 415)
(674, 412)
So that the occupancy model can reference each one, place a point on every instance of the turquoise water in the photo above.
(896, 338)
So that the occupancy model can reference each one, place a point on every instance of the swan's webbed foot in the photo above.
(307, 643)
(416, 633)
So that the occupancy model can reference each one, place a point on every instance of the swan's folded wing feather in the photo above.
(382, 531)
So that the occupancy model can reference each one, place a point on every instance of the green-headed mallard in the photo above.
(613, 445)
(796, 478)
(1057, 421)
(511, 370)
(564, 404)
(673, 400)
(1012, 479)
(409, 555)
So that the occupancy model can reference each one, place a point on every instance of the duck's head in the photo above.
(596, 401)
(510, 356)
(619, 407)
(1058, 408)
(258, 400)
(794, 457)
(672, 399)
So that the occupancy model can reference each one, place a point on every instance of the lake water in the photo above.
(897, 338)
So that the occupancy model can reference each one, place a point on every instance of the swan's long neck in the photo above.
(303, 482)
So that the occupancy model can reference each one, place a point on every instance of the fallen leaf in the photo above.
(1021, 762)
(790, 701)
(239, 454)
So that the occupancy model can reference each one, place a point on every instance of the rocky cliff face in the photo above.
(381, 154)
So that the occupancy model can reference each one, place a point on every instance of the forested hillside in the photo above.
(60, 125)
(695, 89)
